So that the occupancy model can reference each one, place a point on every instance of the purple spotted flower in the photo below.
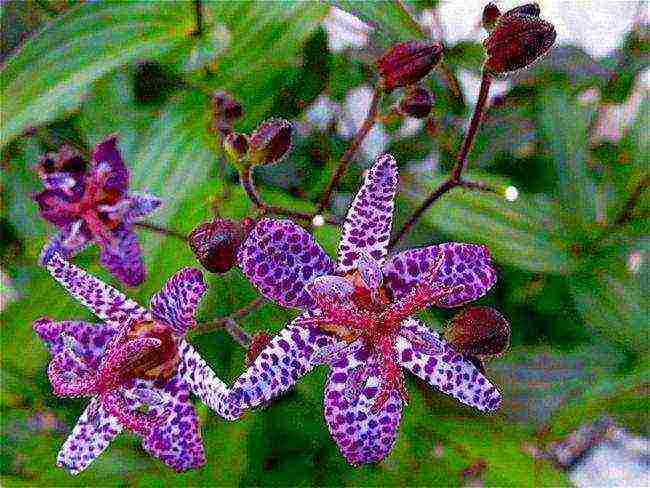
(359, 318)
(135, 366)
(90, 203)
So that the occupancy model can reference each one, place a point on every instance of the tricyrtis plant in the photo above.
(358, 313)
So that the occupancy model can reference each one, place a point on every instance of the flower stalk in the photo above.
(345, 160)
(455, 179)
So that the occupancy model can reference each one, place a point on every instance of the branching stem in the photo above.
(455, 179)
(351, 150)
(158, 229)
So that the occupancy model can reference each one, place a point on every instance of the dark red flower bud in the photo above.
(407, 63)
(258, 343)
(225, 105)
(215, 244)
(271, 142)
(226, 110)
(236, 145)
(531, 9)
(479, 331)
(67, 160)
(416, 103)
(516, 42)
(491, 14)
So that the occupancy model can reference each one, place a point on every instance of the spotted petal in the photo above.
(280, 258)
(124, 260)
(107, 153)
(202, 381)
(87, 340)
(46, 201)
(289, 356)
(177, 302)
(469, 265)
(369, 220)
(102, 299)
(363, 436)
(141, 205)
(444, 368)
(93, 433)
(177, 442)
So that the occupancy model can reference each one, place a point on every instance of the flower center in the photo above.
(358, 310)
(158, 363)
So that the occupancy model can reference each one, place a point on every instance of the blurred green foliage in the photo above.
(573, 273)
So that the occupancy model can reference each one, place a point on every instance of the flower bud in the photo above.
(407, 63)
(258, 343)
(235, 145)
(226, 110)
(516, 42)
(479, 331)
(225, 105)
(491, 14)
(271, 142)
(417, 103)
(67, 160)
(215, 244)
(531, 9)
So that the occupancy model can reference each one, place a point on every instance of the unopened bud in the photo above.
(407, 63)
(258, 343)
(215, 244)
(517, 41)
(271, 142)
(531, 9)
(226, 110)
(416, 103)
(67, 160)
(235, 145)
(479, 331)
(491, 14)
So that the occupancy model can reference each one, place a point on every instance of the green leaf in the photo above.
(623, 397)
(50, 74)
(391, 21)
(266, 39)
(523, 233)
(614, 302)
(564, 125)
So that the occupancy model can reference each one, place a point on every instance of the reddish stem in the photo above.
(455, 179)
(351, 151)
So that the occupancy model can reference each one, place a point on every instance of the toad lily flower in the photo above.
(358, 319)
(136, 367)
(91, 204)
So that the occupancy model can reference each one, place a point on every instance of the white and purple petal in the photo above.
(368, 223)
(178, 300)
(290, 355)
(93, 433)
(280, 258)
(202, 381)
(469, 265)
(89, 340)
(176, 442)
(363, 435)
(140, 205)
(124, 259)
(107, 153)
(428, 356)
(102, 299)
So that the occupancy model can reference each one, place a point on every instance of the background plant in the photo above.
(572, 248)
